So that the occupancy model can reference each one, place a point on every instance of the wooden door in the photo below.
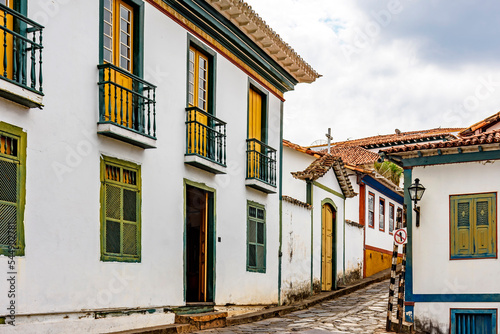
(327, 253)
(118, 50)
(203, 253)
(7, 51)
(196, 244)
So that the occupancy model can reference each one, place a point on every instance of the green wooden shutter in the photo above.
(121, 212)
(256, 238)
(8, 202)
(473, 226)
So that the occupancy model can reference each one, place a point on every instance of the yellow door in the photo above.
(118, 50)
(327, 248)
(254, 131)
(7, 52)
(198, 97)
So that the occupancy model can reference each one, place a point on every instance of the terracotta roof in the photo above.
(296, 202)
(247, 20)
(353, 155)
(302, 149)
(321, 166)
(402, 138)
(481, 126)
(479, 139)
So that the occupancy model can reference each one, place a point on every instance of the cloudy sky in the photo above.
(405, 64)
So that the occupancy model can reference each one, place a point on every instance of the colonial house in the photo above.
(380, 199)
(140, 160)
(314, 243)
(452, 270)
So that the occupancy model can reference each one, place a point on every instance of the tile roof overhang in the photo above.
(483, 142)
(353, 155)
(302, 149)
(482, 125)
(402, 138)
(247, 20)
(321, 166)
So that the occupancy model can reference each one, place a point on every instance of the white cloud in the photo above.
(395, 76)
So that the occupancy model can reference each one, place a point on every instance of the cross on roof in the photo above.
(329, 137)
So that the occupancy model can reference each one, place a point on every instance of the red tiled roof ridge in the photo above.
(481, 124)
(387, 138)
(489, 137)
(353, 154)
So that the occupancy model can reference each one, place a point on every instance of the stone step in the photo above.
(163, 329)
(203, 320)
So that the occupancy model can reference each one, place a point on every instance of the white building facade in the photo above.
(451, 281)
(149, 178)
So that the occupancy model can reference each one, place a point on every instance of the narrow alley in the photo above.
(363, 311)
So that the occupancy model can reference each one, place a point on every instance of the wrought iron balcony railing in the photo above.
(126, 100)
(205, 136)
(21, 55)
(261, 162)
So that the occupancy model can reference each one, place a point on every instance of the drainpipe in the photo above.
(280, 189)
(309, 200)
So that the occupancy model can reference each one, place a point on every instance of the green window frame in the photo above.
(473, 226)
(120, 210)
(256, 237)
(12, 189)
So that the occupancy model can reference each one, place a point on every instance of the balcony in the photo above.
(126, 107)
(261, 166)
(205, 141)
(20, 59)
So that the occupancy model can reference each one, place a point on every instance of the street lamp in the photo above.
(416, 191)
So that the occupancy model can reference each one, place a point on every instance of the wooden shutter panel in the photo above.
(8, 202)
(463, 238)
(484, 227)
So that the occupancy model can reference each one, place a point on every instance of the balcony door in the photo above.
(118, 51)
(255, 127)
(199, 141)
(6, 40)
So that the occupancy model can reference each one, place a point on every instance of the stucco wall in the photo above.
(61, 271)
(296, 249)
(433, 271)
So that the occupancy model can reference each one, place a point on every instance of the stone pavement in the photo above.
(363, 311)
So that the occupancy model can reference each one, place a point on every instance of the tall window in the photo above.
(256, 237)
(381, 215)
(200, 123)
(125, 95)
(118, 34)
(399, 218)
(12, 189)
(473, 226)
(198, 94)
(120, 211)
(371, 210)
(391, 217)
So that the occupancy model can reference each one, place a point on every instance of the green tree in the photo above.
(389, 170)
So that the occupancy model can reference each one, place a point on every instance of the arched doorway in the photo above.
(328, 254)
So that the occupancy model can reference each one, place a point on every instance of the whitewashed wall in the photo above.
(296, 249)
(61, 273)
(374, 236)
(354, 251)
(433, 272)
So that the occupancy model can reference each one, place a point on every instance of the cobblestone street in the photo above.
(363, 311)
